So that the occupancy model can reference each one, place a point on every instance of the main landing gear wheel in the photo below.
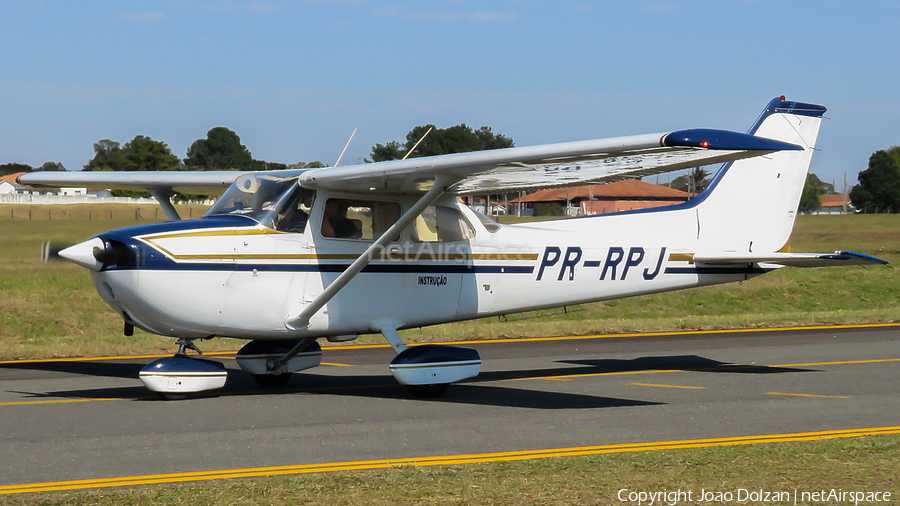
(272, 380)
(266, 364)
(428, 391)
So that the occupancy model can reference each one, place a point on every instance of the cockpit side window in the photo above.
(294, 214)
(358, 219)
(442, 224)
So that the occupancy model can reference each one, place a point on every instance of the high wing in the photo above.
(549, 165)
(165, 182)
(532, 167)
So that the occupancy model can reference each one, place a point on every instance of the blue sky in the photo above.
(294, 79)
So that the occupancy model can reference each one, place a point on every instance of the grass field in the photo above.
(51, 310)
(850, 465)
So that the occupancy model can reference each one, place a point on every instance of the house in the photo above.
(7, 187)
(607, 198)
(8, 183)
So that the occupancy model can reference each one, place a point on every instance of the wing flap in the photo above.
(837, 258)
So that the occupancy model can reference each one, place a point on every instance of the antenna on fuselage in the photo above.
(417, 143)
(345, 148)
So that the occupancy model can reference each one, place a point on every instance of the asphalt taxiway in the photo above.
(92, 419)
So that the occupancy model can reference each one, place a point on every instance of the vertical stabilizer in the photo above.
(751, 204)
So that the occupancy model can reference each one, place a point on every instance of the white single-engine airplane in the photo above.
(287, 257)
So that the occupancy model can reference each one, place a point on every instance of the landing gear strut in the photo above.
(184, 345)
(271, 363)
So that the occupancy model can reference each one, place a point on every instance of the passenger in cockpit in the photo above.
(336, 224)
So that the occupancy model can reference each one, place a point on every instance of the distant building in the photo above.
(8, 183)
(7, 187)
(834, 204)
(607, 198)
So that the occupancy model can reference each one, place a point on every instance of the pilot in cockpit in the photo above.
(294, 220)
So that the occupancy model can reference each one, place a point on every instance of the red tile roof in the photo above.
(12, 177)
(629, 189)
(833, 200)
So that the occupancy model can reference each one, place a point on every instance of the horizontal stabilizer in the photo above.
(789, 259)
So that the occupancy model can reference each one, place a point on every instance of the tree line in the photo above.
(220, 150)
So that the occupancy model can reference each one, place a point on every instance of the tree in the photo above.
(13, 168)
(441, 141)
(141, 153)
(390, 151)
(107, 156)
(221, 150)
(694, 182)
(51, 166)
(812, 190)
(490, 140)
(879, 184)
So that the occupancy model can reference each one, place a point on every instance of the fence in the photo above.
(13, 198)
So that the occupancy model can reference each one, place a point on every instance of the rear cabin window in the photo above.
(442, 224)
(491, 225)
(364, 220)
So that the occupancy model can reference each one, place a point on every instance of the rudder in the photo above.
(751, 204)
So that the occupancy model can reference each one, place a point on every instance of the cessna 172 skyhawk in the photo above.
(287, 257)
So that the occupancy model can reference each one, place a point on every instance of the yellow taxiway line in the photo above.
(447, 460)
(811, 395)
(666, 386)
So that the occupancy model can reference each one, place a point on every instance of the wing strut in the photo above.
(164, 197)
(301, 321)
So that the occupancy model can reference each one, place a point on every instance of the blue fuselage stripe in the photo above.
(381, 269)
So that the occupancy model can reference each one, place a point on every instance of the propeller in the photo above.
(50, 250)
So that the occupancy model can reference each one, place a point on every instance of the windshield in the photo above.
(259, 195)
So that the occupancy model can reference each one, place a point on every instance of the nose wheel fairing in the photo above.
(181, 375)
(433, 364)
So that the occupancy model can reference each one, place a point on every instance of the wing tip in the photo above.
(862, 257)
(708, 138)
